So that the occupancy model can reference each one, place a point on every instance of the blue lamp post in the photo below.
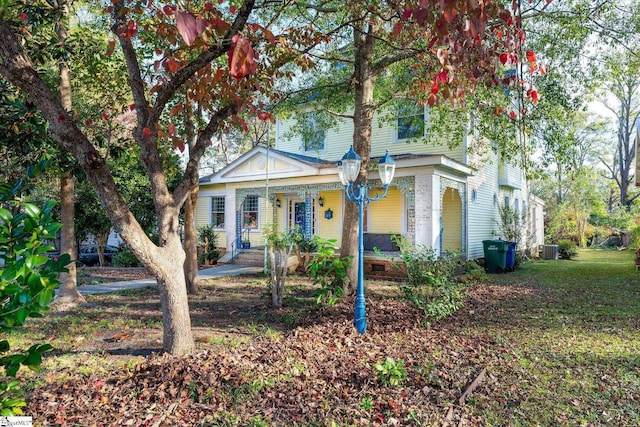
(348, 170)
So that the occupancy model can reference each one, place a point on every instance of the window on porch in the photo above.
(217, 212)
(250, 212)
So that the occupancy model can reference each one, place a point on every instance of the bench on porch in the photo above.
(381, 241)
(381, 266)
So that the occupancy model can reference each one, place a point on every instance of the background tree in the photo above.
(621, 96)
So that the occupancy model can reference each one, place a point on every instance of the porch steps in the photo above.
(253, 257)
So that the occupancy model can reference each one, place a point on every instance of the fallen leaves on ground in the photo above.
(319, 372)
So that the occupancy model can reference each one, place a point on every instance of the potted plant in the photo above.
(246, 244)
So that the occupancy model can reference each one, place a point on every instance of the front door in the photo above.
(299, 216)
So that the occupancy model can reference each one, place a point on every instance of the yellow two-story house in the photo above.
(440, 197)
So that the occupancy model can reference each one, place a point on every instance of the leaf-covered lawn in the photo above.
(560, 341)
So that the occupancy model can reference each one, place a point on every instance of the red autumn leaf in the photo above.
(171, 129)
(499, 34)
(269, 35)
(504, 58)
(407, 13)
(98, 383)
(432, 99)
(434, 88)
(111, 45)
(450, 14)
(189, 27)
(232, 9)
(23, 16)
(105, 116)
(88, 122)
(179, 144)
(264, 116)
(241, 58)
(534, 96)
(498, 111)
(441, 77)
(512, 114)
(62, 118)
(397, 28)
(531, 56)
(169, 10)
(132, 107)
(132, 29)
(146, 132)
(172, 65)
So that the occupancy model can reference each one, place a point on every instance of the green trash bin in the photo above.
(495, 255)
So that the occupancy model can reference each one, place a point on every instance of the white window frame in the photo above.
(257, 211)
(224, 215)
(311, 122)
(425, 116)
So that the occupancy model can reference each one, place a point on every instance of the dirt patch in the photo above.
(97, 275)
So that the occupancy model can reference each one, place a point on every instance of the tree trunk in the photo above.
(68, 294)
(177, 338)
(278, 259)
(364, 81)
(191, 243)
(102, 238)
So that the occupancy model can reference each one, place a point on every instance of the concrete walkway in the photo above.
(208, 273)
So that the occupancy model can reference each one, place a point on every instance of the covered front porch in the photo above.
(426, 202)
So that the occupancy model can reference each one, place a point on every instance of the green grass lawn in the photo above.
(573, 343)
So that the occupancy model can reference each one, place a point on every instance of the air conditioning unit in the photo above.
(550, 251)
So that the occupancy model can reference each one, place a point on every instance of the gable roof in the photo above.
(260, 163)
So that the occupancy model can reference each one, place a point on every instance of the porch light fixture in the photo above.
(348, 170)
(320, 202)
(278, 204)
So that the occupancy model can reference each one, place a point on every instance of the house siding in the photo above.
(383, 214)
(339, 138)
(482, 218)
(331, 228)
(202, 216)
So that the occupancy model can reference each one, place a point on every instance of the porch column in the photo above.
(308, 216)
(427, 210)
(231, 220)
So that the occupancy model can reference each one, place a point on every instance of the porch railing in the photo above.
(237, 247)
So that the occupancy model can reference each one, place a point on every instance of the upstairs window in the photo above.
(411, 122)
(313, 134)
(250, 212)
(217, 212)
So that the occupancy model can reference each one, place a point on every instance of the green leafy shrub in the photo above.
(431, 283)
(125, 258)
(567, 249)
(328, 270)
(28, 278)
(208, 238)
(390, 372)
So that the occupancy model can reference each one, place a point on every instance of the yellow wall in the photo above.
(451, 220)
(330, 228)
(385, 215)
